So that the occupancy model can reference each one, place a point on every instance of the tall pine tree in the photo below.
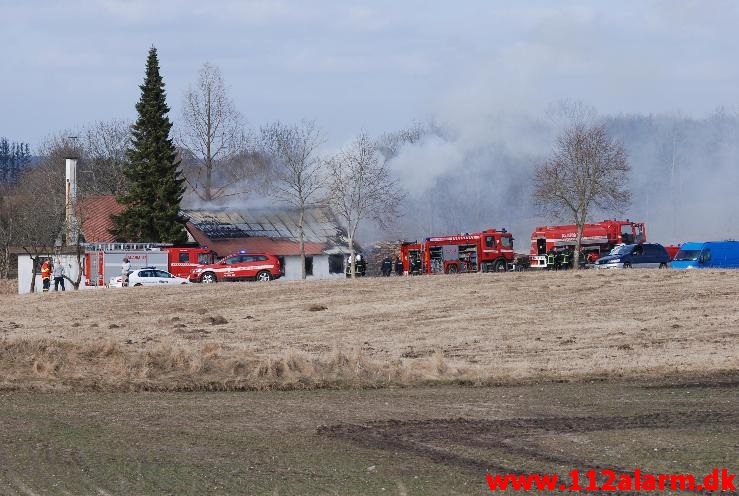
(156, 187)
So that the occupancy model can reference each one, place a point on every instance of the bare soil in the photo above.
(468, 329)
(400, 441)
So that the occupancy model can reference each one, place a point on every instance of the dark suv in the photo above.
(647, 255)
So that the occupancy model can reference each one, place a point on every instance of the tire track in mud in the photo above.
(422, 437)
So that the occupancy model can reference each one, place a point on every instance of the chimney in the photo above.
(71, 201)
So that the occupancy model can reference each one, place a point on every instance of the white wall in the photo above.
(320, 268)
(25, 271)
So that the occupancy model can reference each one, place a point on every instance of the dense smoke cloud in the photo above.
(478, 173)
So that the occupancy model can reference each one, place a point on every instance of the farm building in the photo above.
(274, 231)
(257, 230)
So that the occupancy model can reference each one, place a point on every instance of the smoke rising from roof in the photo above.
(479, 173)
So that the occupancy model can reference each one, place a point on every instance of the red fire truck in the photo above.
(597, 239)
(486, 251)
(183, 260)
(411, 255)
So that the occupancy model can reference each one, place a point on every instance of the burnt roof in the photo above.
(319, 224)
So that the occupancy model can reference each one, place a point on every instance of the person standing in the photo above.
(398, 266)
(125, 270)
(58, 273)
(387, 266)
(46, 275)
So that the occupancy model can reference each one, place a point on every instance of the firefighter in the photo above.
(551, 259)
(398, 266)
(387, 266)
(360, 266)
(564, 259)
(46, 275)
(414, 265)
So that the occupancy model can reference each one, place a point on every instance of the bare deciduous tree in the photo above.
(213, 136)
(361, 187)
(103, 158)
(587, 169)
(41, 212)
(389, 144)
(8, 227)
(296, 168)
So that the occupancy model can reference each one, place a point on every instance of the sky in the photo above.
(364, 66)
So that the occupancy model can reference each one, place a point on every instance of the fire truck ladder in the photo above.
(125, 246)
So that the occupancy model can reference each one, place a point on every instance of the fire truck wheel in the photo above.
(208, 277)
(500, 266)
(452, 269)
(264, 276)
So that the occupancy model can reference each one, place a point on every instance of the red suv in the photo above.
(239, 266)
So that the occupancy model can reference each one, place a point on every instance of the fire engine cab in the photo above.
(597, 240)
(486, 251)
(183, 260)
(411, 256)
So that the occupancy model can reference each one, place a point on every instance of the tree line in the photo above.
(14, 157)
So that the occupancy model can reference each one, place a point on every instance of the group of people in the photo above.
(360, 266)
(389, 266)
(55, 270)
(560, 259)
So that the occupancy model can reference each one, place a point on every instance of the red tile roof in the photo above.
(255, 244)
(95, 212)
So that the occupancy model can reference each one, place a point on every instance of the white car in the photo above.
(148, 276)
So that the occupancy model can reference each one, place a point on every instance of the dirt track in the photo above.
(432, 438)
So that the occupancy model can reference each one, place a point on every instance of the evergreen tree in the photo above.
(14, 156)
(21, 158)
(4, 160)
(156, 187)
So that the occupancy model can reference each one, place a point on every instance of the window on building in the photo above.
(336, 264)
(308, 266)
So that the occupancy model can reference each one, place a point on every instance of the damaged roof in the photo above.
(270, 230)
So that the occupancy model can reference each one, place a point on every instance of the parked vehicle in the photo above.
(183, 259)
(102, 261)
(148, 276)
(707, 255)
(597, 239)
(239, 267)
(486, 251)
(641, 256)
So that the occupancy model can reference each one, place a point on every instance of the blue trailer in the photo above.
(707, 255)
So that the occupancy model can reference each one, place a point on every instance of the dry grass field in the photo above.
(511, 328)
